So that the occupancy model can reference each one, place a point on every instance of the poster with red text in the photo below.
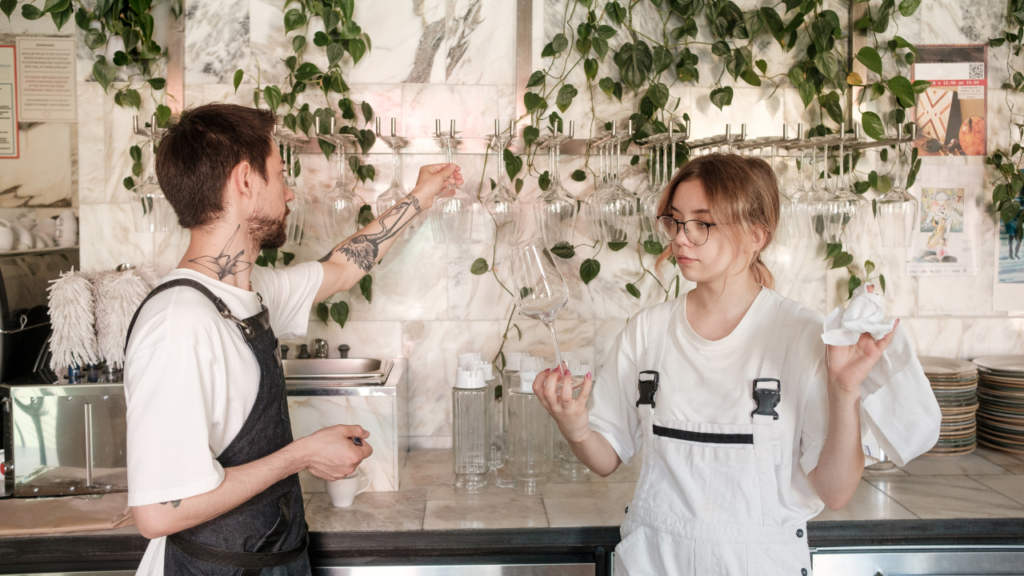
(950, 114)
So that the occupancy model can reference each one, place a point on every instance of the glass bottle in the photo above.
(529, 434)
(469, 422)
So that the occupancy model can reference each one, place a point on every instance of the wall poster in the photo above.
(950, 114)
(947, 221)
(47, 69)
(8, 103)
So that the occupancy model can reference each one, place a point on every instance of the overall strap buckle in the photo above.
(648, 384)
(766, 397)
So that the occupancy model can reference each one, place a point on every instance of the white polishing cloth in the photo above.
(866, 314)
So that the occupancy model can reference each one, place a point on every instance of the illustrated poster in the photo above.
(1008, 291)
(943, 243)
(950, 114)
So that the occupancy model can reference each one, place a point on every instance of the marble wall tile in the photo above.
(474, 109)
(934, 336)
(41, 176)
(92, 175)
(989, 336)
(962, 22)
(479, 45)
(376, 414)
(365, 339)
(756, 107)
(107, 237)
(119, 137)
(217, 41)
(800, 272)
(168, 248)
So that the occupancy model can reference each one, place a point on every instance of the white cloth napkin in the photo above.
(866, 313)
(896, 397)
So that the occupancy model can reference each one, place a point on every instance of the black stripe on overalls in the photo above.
(703, 437)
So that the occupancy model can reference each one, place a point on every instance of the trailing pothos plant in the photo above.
(332, 27)
(139, 60)
(1008, 159)
(648, 63)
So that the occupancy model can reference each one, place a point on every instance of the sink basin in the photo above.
(337, 369)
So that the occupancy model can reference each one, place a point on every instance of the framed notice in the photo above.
(943, 239)
(46, 79)
(8, 103)
(950, 114)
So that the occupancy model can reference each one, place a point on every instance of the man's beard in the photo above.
(269, 233)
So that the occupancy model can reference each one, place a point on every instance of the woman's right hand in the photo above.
(569, 413)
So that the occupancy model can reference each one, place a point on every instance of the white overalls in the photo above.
(707, 500)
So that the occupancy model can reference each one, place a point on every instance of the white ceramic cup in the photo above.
(48, 227)
(344, 491)
(23, 239)
(6, 236)
(66, 238)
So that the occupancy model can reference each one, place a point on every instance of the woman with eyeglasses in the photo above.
(746, 431)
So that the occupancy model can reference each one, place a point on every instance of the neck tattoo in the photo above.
(224, 264)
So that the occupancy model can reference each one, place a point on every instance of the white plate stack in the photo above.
(1001, 394)
(955, 384)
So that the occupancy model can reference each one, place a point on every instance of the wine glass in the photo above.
(396, 191)
(556, 208)
(501, 203)
(151, 211)
(341, 204)
(538, 287)
(451, 217)
(897, 212)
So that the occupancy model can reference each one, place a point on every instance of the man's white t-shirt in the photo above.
(191, 381)
(712, 381)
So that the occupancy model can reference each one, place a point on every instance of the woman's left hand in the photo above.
(848, 366)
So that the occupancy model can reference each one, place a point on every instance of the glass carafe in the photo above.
(341, 205)
(529, 436)
(469, 431)
(150, 209)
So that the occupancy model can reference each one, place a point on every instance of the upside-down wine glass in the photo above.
(451, 216)
(341, 205)
(556, 209)
(501, 204)
(897, 209)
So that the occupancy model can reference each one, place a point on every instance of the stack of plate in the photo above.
(1001, 394)
(955, 384)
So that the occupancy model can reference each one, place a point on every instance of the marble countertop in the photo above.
(986, 484)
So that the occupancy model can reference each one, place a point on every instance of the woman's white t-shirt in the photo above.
(191, 381)
(712, 381)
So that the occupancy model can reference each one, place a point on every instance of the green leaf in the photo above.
(807, 92)
(94, 39)
(749, 77)
(600, 47)
(869, 267)
(307, 71)
(365, 215)
(52, 6)
(7, 7)
(272, 96)
(261, 261)
(339, 313)
(287, 257)
(239, 74)
(881, 282)
(530, 135)
(563, 250)
(842, 260)
(832, 250)
(658, 93)
(479, 267)
(590, 68)
(869, 57)
(634, 61)
(536, 79)
(136, 153)
(347, 8)
(298, 43)
(616, 246)
(583, 46)
(920, 86)
(271, 255)
(133, 97)
(366, 287)
(721, 97)
(293, 20)
(331, 19)
(544, 181)
(873, 126)
(796, 76)
(826, 63)
(334, 54)
(559, 43)
(589, 270)
(908, 7)
(902, 90)
(532, 101)
(565, 95)
(137, 169)
(852, 285)
(762, 66)
(633, 291)
(322, 312)
(128, 183)
(616, 12)
(579, 176)
(653, 247)
(157, 83)
(1010, 211)
(163, 115)
(356, 48)
(513, 164)
(519, 185)
(607, 85)
(30, 12)
(661, 60)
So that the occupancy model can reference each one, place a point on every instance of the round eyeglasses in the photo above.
(696, 231)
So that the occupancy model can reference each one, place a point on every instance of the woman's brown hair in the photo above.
(740, 190)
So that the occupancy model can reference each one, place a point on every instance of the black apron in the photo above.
(268, 531)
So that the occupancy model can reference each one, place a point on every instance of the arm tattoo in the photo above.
(224, 265)
(173, 503)
(363, 249)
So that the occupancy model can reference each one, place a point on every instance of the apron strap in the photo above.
(767, 389)
(249, 327)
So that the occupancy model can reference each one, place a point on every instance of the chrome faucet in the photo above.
(321, 348)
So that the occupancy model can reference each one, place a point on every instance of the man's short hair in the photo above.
(196, 156)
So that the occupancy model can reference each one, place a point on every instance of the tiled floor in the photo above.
(986, 484)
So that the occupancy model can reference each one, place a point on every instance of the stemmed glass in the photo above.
(151, 211)
(557, 208)
(501, 203)
(341, 204)
(394, 194)
(538, 287)
(897, 210)
(846, 209)
(451, 216)
(611, 211)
